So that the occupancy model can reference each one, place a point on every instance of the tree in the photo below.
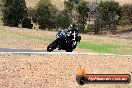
(82, 9)
(78, 12)
(45, 14)
(0, 4)
(110, 13)
(70, 7)
(98, 23)
(13, 12)
(31, 14)
(127, 14)
(70, 4)
(62, 20)
(0, 9)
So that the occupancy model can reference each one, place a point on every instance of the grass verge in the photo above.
(105, 48)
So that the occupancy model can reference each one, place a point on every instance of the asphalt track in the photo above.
(30, 51)
(13, 50)
(20, 50)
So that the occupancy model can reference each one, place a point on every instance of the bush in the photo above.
(26, 23)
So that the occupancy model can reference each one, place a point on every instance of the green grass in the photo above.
(105, 48)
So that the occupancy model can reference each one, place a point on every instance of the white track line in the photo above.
(64, 53)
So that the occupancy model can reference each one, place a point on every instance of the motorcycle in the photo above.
(64, 41)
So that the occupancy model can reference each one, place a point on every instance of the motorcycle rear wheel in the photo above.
(69, 50)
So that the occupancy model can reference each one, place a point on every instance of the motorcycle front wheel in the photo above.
(52, 46)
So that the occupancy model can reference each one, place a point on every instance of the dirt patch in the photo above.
(51, 71)
(122, 2)
(31, 3)
(12, 37)
(58, 3)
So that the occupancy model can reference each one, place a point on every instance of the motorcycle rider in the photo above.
(72, 31)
